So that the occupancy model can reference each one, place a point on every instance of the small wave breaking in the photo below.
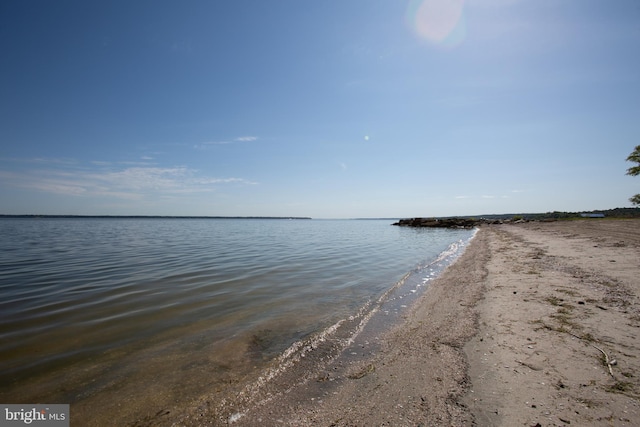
(310, 358)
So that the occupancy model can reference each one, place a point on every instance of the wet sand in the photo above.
(535, 325)
(412, 373)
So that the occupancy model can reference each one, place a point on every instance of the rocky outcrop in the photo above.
(442, 222)
(438, 222)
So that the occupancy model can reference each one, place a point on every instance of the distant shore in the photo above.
(152, 217)
(534, 325)
(618, 213)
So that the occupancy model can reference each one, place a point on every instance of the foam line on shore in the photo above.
(310, 356)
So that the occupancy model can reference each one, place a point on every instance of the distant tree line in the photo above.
(608, 213)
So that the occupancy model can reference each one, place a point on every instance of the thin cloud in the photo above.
(210, 143)
(40, 160)
(208, 181)
(207, 144)
(131, 163)
(130, 183)
(48, 183)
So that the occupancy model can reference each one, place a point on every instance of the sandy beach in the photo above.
(535, 325)
(558, 326)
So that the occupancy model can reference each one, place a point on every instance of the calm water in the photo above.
(96, 310)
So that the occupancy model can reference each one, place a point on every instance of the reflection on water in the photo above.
(125, 312)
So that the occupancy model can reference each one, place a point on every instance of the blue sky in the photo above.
(325, 108)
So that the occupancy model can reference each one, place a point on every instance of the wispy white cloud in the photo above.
(135, 163)
(40, 160)
(43, 182)
(207, 144)
(246, 139)
(124, 182)
(210, 181)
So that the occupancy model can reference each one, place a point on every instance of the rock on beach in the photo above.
(439, 222)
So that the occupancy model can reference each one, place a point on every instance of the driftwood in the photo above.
(608, 362)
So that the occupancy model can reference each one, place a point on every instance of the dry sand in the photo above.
(535, 325)
(560, 308)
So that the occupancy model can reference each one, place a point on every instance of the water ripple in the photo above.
(77, 290)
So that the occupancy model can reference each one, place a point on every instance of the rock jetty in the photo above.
(443, 222)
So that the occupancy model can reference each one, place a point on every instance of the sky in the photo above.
(318, 108)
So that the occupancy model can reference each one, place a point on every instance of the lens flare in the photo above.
(440, 22)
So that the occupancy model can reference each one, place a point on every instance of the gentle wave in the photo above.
(104, 295)
(327, 345)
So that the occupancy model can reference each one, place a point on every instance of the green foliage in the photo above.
(634, 157)
(634, 171)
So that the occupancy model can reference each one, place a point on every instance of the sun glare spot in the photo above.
(440, 22)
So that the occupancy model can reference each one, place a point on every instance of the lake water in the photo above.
(131, 315)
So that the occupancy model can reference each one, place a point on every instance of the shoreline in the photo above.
(353, 388)
(535, 324)
(320, 371)
(156, 377)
